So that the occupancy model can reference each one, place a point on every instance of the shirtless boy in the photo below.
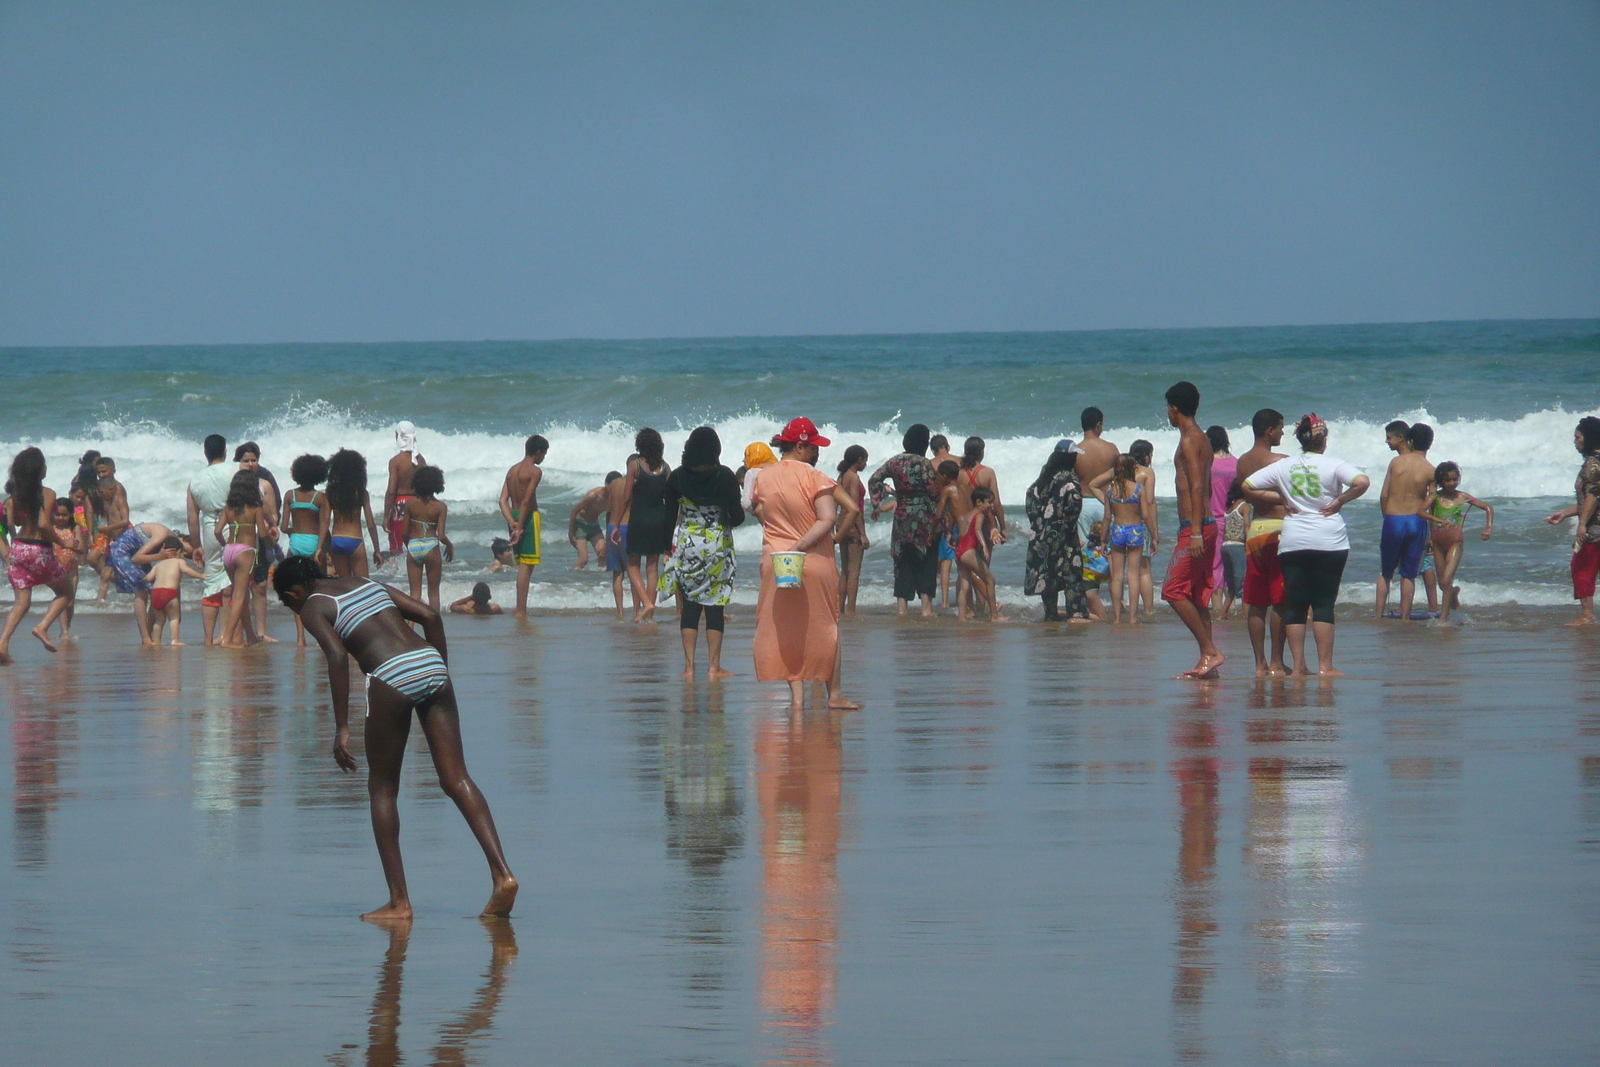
(1263, 581)
(519, 506)
(1095, 456)
(1189, 576)
(618, 506)
(166, 574)
(1406, 486)
(402, 468)
(584, 529)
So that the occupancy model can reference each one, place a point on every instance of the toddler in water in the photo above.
(164, 578)
(1446, 511)
(972, 555)
(476, 604)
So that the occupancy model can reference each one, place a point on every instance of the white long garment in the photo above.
(210, 490)
(1309, 482)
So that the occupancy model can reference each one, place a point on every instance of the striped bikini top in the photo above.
(357, 606)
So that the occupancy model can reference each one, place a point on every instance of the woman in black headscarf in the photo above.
(1055, 558)
(702, 508)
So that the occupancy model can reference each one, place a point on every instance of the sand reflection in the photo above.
(1197, 771)
(456, 1037)
(798, 782)
(705, 832)
(43, 736)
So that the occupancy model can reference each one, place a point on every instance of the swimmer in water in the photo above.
(584, 528)
(353, 617)
(476, 604)
(1447, 514)
(974, 537)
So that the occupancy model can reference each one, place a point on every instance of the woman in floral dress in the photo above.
(914, 542)
(702, 510)
(1055, 558)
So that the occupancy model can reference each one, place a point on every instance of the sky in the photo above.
(225, 172)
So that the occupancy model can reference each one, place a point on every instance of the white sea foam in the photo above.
(1525, 457)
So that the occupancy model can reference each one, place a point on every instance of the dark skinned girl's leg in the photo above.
(441, 723)
(387, 727)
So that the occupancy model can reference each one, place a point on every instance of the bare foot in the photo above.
(1584, 621)
(522, 613)
(841, 704)
(176, 644)
(1330, 673)
(928, 614)
(999, 618)
(1079, 620)
(718, 674)
(687, 675)
(43, 640)
(504, 895)
(5, 658)
(1206, 668)
(392, 912)
(269, 640)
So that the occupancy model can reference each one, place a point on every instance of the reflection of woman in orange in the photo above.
(798, 786)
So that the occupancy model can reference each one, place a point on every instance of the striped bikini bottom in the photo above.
(416, 675)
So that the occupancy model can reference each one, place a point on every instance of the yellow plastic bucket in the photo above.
(787, 568)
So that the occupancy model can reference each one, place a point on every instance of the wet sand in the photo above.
(1028, 847)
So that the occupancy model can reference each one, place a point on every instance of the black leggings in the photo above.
(916, 572)
(1311, 582)
(690, 619)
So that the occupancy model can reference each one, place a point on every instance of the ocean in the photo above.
(1503, 397)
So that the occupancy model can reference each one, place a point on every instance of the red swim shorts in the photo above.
(1585, 566)
(1263, 581)
(1189, 578)
(215, 601)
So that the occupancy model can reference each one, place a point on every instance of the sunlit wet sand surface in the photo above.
(1030, 846)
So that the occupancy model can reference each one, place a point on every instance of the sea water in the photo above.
(1503, 398)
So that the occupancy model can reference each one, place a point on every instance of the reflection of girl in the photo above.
(852, 533)
(360, 618)
(1447, 511)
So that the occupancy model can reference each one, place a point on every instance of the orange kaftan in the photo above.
(797, 630)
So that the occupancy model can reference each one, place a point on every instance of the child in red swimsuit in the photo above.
(972, 554)
(171, 568)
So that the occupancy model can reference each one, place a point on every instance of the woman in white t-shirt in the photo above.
(1314, 547)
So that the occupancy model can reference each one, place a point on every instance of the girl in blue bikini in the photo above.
(1128, 504)
(348, 499)
(307, 518)
(358, 618)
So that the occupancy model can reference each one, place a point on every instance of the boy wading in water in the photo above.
(1188, 585)
(1406, 487)
(356, 617)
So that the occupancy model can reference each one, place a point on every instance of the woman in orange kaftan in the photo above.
(797, 630)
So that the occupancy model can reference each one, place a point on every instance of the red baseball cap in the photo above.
(802, 431)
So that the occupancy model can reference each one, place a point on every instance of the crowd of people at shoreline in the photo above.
(1264, 528)
(1092, 530)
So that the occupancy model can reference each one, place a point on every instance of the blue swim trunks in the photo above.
(617, 553)
(1405, 538)
(947, 548)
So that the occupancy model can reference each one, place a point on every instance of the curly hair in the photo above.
(428, 481)
(309, 471)
(347, 482)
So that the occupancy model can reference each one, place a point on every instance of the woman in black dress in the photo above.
(649, 535)
(1055, 558)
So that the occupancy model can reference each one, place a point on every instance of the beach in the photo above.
(1028, 846)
